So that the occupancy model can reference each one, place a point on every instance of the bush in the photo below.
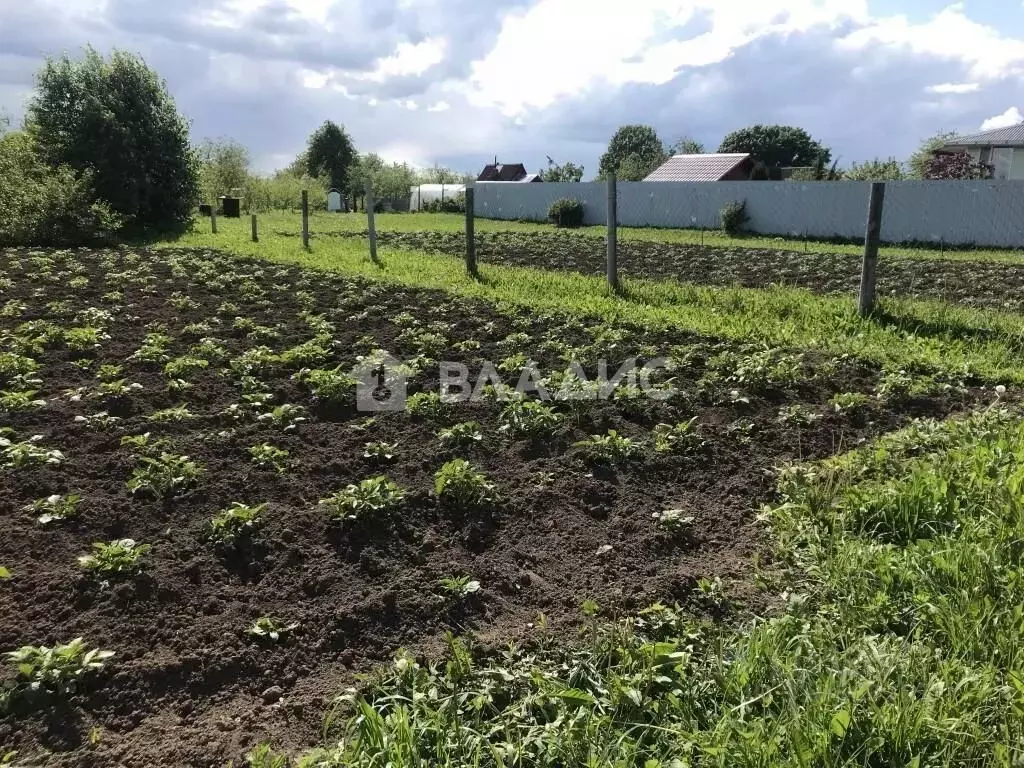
(456, 204)
(283, 192)
(734, 217)
(40, 205)
(566, 213)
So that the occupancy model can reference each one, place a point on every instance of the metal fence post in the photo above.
(470, 233)
(872, 238)
(305, 219)
(613, 265)
(369, 204)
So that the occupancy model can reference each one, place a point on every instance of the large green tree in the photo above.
(876, 170)
(330, 154)
(777, 146)
(114, 118)
(633, 152)
(686, 145)
(223, 166)
(569, 172)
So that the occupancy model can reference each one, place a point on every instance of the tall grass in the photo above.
(936, 335)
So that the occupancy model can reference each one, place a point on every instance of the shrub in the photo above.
(566, 213)
(454, 204)
(42, 205)
(734, 217)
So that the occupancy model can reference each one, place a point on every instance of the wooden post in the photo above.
(613, 264)
(872, 237)
(255, 229)
(305, 219)
(369, 204)
(213, 219)
(470, 233)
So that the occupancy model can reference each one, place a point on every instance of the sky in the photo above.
(458, 82)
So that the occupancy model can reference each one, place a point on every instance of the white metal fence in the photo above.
(984, 213)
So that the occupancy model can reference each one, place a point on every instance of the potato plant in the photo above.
(371, 498)
(459, 484)
(230, 525)
(164, 476)
(55, 670)
(117, 558)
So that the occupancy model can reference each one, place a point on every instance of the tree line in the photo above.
(636, 150)
(104, 154)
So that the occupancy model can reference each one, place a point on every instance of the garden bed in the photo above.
(202, 351)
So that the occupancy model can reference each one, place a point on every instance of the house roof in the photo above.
(502, 172)
(711, 167)
(1012, 136)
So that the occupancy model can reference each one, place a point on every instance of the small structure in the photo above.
(713, 167)
(230, 207)
(334, 201)
(508, 172)
(1001, 150)
(422, 195)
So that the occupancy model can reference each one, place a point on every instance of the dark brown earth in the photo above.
(187, 686)
(977, 284)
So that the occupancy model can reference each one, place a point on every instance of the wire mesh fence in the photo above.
(703, 257)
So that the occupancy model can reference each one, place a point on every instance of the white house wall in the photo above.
(958, 212)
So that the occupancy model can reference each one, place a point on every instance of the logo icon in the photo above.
(380, 382)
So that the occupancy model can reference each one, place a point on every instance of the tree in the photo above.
(223, 166)
(953, 166)
(918, 162)
(438, 174)
(876, 170)
(777, 146)
(566, 172)
(115, 119)
(330, 154)
(633, 152)
(686, 146)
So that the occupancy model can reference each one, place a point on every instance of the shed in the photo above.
(713, 167)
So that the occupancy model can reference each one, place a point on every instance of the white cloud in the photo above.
(949, 35)
(944, 88)
(408, 59)
(441, 106)
(535, 60)
(1012, 116)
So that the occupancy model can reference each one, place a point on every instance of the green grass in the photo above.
(451, 222)
(932, 334)
(898, 642)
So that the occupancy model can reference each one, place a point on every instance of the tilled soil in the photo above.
(976, 284)
(187, 685)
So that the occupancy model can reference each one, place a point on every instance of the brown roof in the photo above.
(502, 172)
(712, 167)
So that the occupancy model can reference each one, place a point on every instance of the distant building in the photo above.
(512, 172)
(713, 167)
(1001, 150)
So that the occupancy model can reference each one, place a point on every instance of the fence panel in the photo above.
(988, 213)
